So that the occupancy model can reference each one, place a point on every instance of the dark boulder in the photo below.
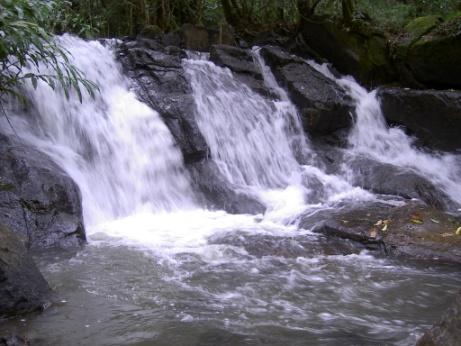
(199, 38)
(162, 84)
(446, 332)
(242, 64)
(324, 107)
(22, 287)
(218, 193)
(412, 230)
(428, 52)
(355, 49)
(387, 179)
(434, 117)
(37, 199)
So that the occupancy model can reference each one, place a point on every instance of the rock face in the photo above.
(446, 332)
(429, 52)
(386, 179)
(324, 107)
(412, 230)
(22, 287)
(241, 63)
(161, 83)
(356, 49)
(37, 199)
(434, 117)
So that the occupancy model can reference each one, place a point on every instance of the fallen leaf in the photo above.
(447, 235)
(417, 221)
(435, 221)
(458, 231)
(384, 229)
(379, 223)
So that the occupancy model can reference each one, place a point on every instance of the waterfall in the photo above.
(116, 148)
(258, 143)
(247, 134)
(372, 137)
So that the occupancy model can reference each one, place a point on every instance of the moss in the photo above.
(421, 26)
(6, 186)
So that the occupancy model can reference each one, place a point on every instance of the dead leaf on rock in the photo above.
(373, 232)
(458, 231)
(447, 234)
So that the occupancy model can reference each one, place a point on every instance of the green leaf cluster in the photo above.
(28, 52)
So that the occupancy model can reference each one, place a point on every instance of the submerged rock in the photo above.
(22, 287)
(434, 117)
(324, 107)
(446, 332)
(412, 230)
(38, 200)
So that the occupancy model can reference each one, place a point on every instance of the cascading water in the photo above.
(116, 148)
(372, 136)
(257, 142)
(159, 269)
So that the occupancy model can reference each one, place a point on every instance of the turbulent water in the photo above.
(161, 270)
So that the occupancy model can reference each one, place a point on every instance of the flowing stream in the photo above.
(161, 270)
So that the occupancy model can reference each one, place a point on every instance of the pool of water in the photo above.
(236, 288)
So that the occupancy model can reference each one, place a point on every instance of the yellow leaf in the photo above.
(384, 229)
(458, 231)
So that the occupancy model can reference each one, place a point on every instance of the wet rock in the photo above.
(162, 84)
(324, 107)
(412, 230)
(22, 287)
(434, 117)
(37, 199)
(387, 179)
(218, 193)
(446, 332)
(241, 63)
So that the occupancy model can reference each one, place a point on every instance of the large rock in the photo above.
(324, 107)
(428, 53)
(446, 332)
(434, 117)
(241, 63)
(37, 199)
(219, 193)
(162, 84)
(356, 49)
(412, 230)
(22, 287)
(387, 179)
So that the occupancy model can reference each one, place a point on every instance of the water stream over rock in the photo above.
(160, 269)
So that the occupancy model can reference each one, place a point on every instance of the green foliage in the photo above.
(29, 53)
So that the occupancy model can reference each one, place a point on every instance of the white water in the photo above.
(371, 136)
(117, 149)
(256, 142)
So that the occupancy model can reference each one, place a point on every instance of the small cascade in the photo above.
(371, 136)
(116, 148)
(247, 134)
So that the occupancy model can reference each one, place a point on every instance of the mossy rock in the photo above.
(421, 26)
